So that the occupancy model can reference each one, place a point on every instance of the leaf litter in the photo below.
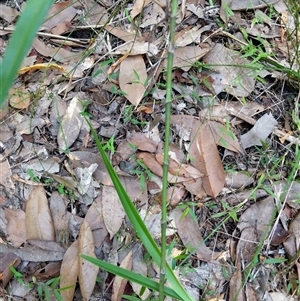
(227, 193)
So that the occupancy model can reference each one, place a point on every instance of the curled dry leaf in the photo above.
(7, 260)
(120, 283)
(132, 78)
(69, 271)
(38, 218)
(59, 54)
(70, 125)
(150, 161)
(87, 271)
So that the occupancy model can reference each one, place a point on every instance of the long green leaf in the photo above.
(131, 276)
(18, 46)
(138, 223)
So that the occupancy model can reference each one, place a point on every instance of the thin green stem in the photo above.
(168, 104)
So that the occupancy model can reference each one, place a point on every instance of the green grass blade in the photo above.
(131, 276)
(138, 223)
(19, 44)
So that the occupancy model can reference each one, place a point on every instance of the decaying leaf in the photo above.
(7, 260)
(70, 125)
(132, 78)
(69, 271)
(87, 271)
(60, 13)
(142, 142)
(59, 54)
(205, 157)
(185, 57)
(94, 217)
(15, 226)
(38, 218)
(189, 232)
(261, 130)
(5, 174)
(113, 212)
(119, 282)
(19, 98)
(8, 13)
(239, 81)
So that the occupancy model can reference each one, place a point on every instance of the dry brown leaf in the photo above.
(238, 81)
(183, 170)
(195, 187)
(132, 78)
(150, 161)
(15, 226)
(122, 34)
(138, 7)
(57, 53)
(120, 283)
(38, 218)
(19, 98)
(205, 157)
(60, 13)
(175, 194)
(94, 217)
(70, 125)
(189, 232)
(87, 271)
(50, 270)
(5, 174)
(291, 245)
(142, 142)
(224, 137)
(185, 57)
(152, 14)
(69, 271)
(112, 207)
(58, 208)
(85, 159)
(7, 260)
(8, 13)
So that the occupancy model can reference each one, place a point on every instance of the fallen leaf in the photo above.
(5, 174)
(9, 14)
(205, 157)
(185, 57)
(94, 217)
(224, 137)
(119, 282)
(59, 13)
(19, 98)
(7, 260)
(57, 53)
(142, 142)
(138, 7)
(87, 271)
(38, 218)
(250, 4)
(70, 125)
(237, 180)
(261, 130)
(152, 14)
(69, 272)
(49, 271)
(189, 232)
(15, 226)
(112, 207)
(132, 78)
(239, 81)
